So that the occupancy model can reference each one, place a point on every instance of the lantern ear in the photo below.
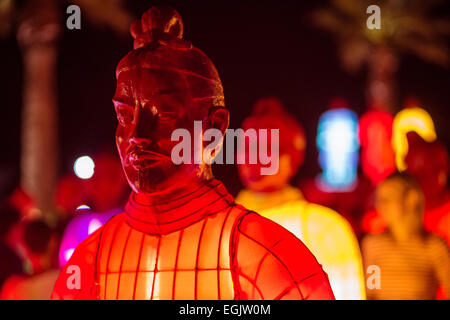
(218, 118)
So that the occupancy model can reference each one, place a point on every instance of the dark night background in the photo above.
(259, 48)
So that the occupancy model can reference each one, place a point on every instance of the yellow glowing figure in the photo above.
(326, 233)
(410, 120)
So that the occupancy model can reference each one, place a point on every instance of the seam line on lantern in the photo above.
(275, 256)
(121, 263)
(220, 249)
(109, 255)
(233, 247)
(285, 292)
(253, 283)
(197, 258)
(137, 266)
(176, 263)
(156, 268)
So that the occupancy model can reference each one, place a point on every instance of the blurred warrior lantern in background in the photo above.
(338, 144)
(428, 163)
(417, 150)
(377, 154)
(339, 186)
(327, 234)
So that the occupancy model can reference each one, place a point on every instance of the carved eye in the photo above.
(124, 114)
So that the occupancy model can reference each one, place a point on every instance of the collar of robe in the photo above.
(259, 201)
(184, 209)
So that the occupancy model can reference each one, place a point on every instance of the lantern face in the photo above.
(251, 177)
(269, 113)
(338, 143)
(390, 202)
(150, 105)
(164, 84)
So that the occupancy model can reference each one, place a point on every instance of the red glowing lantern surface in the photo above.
(181, 235)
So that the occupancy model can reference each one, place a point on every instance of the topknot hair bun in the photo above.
(159, 44)
(157, 23)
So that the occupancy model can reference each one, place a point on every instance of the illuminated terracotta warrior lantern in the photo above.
(181, 235)
(327, 234)
(428, 162)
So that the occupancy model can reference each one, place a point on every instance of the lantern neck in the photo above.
(151, 215)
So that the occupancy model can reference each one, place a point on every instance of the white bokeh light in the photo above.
(84, 167)
(94, 225)
(68, 254)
